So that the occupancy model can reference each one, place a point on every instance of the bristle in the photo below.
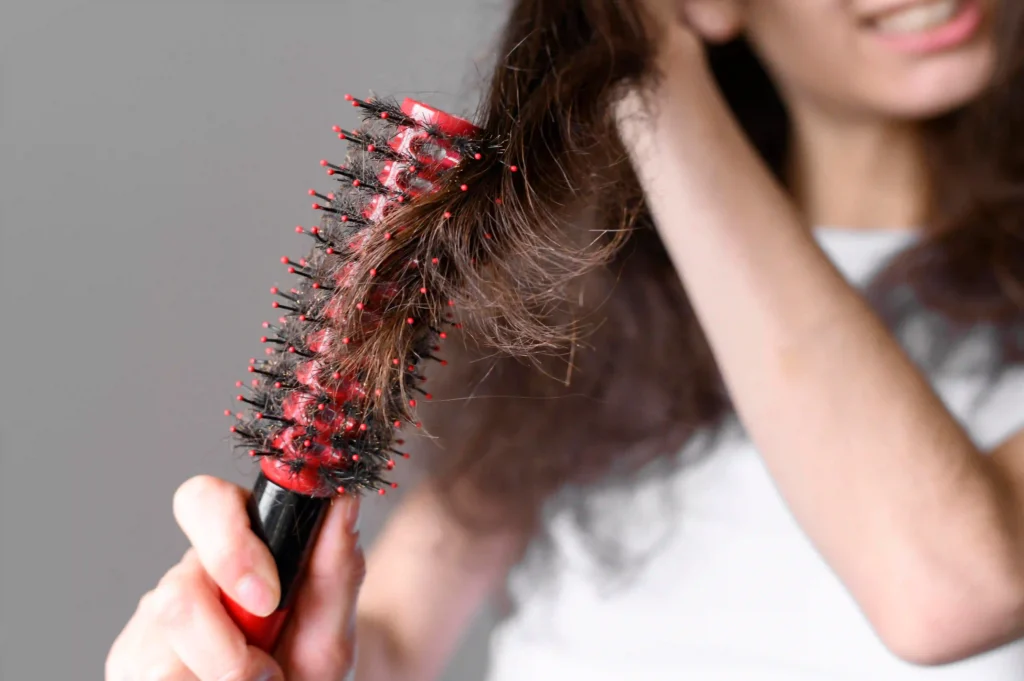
(309, 417)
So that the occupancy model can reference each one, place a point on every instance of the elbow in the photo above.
(947, 625)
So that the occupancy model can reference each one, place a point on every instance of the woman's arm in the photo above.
(426, 579)
(926, 533)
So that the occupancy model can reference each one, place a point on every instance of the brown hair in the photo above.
(566, 269)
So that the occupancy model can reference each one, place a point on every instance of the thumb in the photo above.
(318, 641)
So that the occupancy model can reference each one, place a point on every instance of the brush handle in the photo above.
(288, 523)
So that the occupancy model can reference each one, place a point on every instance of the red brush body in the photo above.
(311, 419)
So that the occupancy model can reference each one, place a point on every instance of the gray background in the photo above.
(154, 159)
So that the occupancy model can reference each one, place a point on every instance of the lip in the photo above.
(955, 32)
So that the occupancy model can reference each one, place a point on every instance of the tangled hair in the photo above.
(567, 271)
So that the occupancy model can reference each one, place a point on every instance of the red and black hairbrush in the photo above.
(344, 361)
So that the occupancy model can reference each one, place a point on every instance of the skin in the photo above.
(862, 450)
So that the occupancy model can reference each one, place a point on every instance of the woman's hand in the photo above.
(181, 631)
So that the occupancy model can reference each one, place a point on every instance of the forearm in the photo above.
(876, 470)
(427, 579)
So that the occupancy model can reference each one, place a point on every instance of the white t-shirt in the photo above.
(730, 588)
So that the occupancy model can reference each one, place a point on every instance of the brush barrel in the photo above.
(288, 523)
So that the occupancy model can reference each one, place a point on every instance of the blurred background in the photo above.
(154, 159)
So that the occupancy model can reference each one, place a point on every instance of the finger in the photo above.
(318, 642)
(157, 660)
(141, 651)
(199, 631)
(212, 514)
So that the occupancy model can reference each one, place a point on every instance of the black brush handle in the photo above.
(288, 523)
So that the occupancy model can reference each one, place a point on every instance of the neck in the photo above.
(858, 174)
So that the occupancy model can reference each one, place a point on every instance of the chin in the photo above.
(940, 87)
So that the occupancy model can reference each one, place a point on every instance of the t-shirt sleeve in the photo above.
(1000, 412)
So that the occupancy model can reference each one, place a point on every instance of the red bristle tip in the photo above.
(239, 397)
(317, 206)
(252, 360)
(434, 261)
(321, 407)
(274, 290)
(464, 187)
(412, 403)
(380, 491)
(444, 362)
(233, 429)
(371, 148)
(329, 251)
(345, 341)
(498, 200)
(284, 259)
(298, 229)
(238, 384)
(315, 229)
(398, 424)
(447, 214)
(387, 236)
(348, 98)
(263, 339)
(418, 424)
(336, 375)
(359, 306)
(323, 161)
(395, 362)
(373, 272)
(513, 168)
(363, 427)
(354, 103)
(252, 452)
(410, 320)
(331, 196)
(258, 415)
(478, 156)
(487, 235)
(399, 442)
(311, 192)
(394, 485)
(227, 412)
(390, 465)
(355, 457)
(443, 335)
(356, 183)
(383, 114)
(377, 392)
(428, 396)
(423, 289)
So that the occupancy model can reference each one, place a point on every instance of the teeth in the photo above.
(921, 17)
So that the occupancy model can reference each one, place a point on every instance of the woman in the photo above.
(862, 516)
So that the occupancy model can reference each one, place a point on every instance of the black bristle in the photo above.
(307, 419)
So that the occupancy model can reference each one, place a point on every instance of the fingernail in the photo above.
(269, 674)
(255, 595)
(352, 516)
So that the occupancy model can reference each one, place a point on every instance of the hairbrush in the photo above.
(344, 362)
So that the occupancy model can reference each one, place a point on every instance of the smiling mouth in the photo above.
(918, 17)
